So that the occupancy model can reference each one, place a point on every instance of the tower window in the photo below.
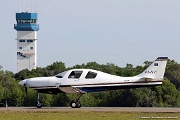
(26, 20)
(20, 48)
(31, 48)
(21, 40)
(29, 40)
(155, 64)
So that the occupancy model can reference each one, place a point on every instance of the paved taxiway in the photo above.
(105, 109)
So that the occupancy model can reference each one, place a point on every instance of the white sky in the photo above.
(81, 31)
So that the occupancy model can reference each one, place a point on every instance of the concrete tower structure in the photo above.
(27, 28)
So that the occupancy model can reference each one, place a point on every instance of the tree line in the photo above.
(166, 95)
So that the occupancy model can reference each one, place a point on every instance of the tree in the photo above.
(173, 73)
(23, 74)
(55, 68)
(167, 94)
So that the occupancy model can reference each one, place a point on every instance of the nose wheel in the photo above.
(75, 103)
(38, 103)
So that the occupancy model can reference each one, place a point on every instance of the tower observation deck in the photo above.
(27, 28)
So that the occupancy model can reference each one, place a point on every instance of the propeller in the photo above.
(24, 84)
(25, 88)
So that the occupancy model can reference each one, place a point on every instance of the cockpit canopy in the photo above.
(75, 74)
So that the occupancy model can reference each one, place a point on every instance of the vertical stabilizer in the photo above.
(156, 70)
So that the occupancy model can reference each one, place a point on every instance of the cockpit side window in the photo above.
(60, 75)
(91, 75)
(75, 74)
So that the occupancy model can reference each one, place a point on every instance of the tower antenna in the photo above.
(35, 6)
(31, 7)
(19, 7)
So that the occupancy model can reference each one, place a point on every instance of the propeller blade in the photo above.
(25, 88)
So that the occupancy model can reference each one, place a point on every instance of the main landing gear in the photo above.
(38, 103)
(75, 103)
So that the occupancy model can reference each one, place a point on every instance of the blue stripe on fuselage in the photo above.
(93, 89)
(105, 88)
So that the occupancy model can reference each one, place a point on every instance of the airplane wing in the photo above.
(70, 89)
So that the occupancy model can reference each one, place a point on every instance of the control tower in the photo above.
(27, 28)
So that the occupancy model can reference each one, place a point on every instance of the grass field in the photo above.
(84, 115)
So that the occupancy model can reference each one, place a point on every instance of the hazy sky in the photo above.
(81, 31)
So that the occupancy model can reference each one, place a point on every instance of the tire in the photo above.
(75, 104)
(38, 104)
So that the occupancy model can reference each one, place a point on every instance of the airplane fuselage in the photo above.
(100, 82)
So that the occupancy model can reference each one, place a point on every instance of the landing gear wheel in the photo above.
(75, 104)
(38, 104)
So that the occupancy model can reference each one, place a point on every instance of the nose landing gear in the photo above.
(38, 103)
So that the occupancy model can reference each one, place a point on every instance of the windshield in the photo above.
(60, 75)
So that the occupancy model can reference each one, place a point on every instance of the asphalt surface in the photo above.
(103, 109)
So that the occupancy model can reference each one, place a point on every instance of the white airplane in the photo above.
(81, 81)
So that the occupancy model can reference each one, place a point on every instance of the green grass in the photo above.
(84, 115)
